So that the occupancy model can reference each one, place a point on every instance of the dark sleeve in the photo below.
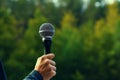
(2, 72)
(34, 75)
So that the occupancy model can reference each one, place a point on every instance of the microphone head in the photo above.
(46, 31)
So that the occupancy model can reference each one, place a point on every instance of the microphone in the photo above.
(46, 31)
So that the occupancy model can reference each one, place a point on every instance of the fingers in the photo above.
(49, 62)
(50, 65)
(52, 62)
(53, 67)
(53, 73)
(46, 66)
(52, 70)
(49, 56)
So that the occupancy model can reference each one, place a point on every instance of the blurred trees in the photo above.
(8, 33)
(86, 43)
(94, 12)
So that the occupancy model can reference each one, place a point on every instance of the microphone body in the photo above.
(46, 31)
(47, 45)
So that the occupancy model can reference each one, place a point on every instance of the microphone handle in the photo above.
(47, 45)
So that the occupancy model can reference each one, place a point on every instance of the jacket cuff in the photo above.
(34, 75)
(37, 75)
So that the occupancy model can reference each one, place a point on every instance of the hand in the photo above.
(46, 66)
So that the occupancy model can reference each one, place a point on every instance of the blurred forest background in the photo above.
(86, 42)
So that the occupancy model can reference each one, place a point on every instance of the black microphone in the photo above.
(46, 31)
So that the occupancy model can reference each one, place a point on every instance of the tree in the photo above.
(68, 20)
(67, 39)
(8, 33)
(8, 37)
(73, 6)
(21, 9)
(93, 12)
(28, 49)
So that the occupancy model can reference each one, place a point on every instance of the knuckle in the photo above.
(52, 67)
(43, 57)
(54, 62)
(39, 58)
(47, 61)
(55, 68)
(49, 68)
(53, 73)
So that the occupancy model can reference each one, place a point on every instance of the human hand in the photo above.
(46, 66)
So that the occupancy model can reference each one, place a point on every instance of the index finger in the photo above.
(49, 56)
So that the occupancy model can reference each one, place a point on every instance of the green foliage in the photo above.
(78, 76)
(28, 49)
(22, 9)
(68, 20)
(8, 33)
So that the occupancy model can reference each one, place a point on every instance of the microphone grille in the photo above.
(46, 30)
